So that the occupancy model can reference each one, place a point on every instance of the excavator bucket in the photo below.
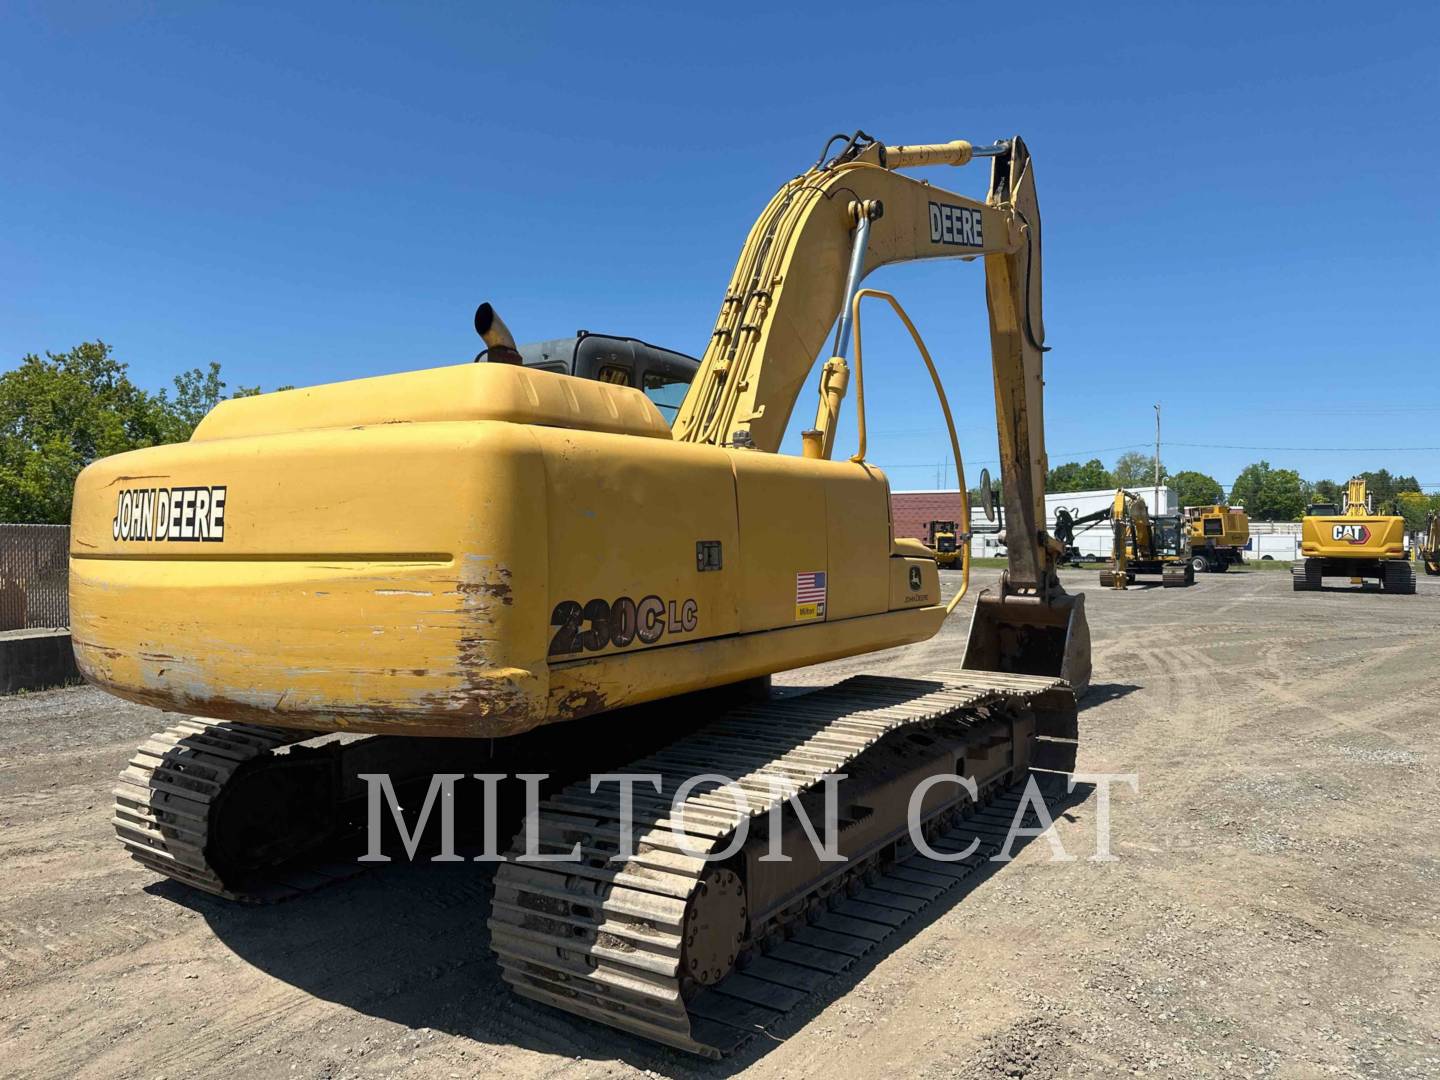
(1022, 635)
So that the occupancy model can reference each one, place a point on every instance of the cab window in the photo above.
(615, 374)
(666, 391)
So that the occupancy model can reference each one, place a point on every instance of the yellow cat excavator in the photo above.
(1141, 544)
(469, 556)
(1146, 545)
(1355, 542)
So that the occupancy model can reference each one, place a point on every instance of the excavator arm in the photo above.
(1430, 545)
(803, 261)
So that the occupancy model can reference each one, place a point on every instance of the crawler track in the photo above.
(676, 948)
(1398, 576)
(1305, 575)
(169, 806)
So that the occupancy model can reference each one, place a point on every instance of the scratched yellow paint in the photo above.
(394, 550)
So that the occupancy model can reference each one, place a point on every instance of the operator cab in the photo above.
(1168, 533)
(662, 375)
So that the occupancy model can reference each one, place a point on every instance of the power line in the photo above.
(996, 461)
(1314, 449)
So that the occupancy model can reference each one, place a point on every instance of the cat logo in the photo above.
(1350, 534)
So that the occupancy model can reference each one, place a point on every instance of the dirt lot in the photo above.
(1273, 911)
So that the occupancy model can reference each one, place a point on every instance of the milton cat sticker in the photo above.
(810, 594)
(193, 514)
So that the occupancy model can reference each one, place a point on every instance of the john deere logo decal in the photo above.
(178, 514)
(914, 579)
(1350, 534)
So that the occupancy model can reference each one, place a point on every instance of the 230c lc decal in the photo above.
(598, 624)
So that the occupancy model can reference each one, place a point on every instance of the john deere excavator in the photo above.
(493, 556)
(1352, 541)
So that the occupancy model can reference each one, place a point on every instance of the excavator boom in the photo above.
(792, 284)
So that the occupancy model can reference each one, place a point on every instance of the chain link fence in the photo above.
(34, 576)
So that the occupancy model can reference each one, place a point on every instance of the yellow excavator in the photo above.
(1429, 546)
(1146, 545)
(1141, 544)
(373, 576)
(1352, 541)
(941, 537)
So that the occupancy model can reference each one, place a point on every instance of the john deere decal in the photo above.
(178, 514)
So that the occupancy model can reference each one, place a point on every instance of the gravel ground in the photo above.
(1272, 913)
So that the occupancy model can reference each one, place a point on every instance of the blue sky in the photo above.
(1240, 200)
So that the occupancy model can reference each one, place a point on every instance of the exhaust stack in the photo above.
(499, 342)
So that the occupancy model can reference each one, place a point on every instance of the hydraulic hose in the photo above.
(859, 455)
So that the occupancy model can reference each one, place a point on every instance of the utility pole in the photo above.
(1157, 457)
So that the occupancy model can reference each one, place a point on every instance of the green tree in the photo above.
(1270, 494)
(1416, 507)
(196, 393)
(1385, 489)
(57, 414)
(1327, 491)
(1134, 469)
(1196, 488)
(1073, 476)
(61, 411)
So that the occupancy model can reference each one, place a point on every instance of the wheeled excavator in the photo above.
(1354, 542)
(492, 556)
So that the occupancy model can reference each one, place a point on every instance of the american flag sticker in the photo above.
(810, 595)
